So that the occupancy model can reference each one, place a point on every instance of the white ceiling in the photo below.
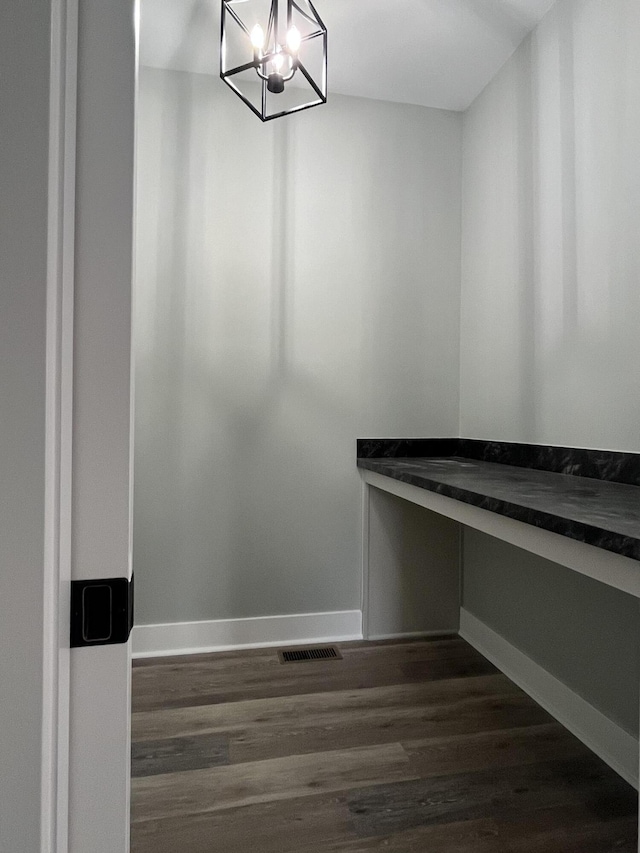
(437, 53)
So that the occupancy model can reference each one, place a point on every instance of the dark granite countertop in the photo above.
(602, 513)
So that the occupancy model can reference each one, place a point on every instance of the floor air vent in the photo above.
(297, 655)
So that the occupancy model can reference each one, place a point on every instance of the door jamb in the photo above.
(58, 426)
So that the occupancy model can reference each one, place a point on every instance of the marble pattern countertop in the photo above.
(599, 512)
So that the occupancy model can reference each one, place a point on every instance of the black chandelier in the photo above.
(278, 71)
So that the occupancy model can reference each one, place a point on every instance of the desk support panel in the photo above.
(411, 572)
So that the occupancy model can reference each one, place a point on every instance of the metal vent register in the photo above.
(297, 655)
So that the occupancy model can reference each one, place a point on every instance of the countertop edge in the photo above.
(618, 543)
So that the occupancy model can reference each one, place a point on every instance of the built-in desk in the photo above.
(601, 513)
(577, 508)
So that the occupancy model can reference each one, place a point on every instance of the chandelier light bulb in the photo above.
(294, 39)
(257, 37)
(278, 61)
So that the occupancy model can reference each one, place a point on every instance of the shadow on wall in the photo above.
(221, 401)
(550, 299)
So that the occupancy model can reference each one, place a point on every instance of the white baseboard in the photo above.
(612, 743)
(185, 638)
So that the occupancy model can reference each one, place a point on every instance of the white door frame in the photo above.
(82, 810)
(58, 426)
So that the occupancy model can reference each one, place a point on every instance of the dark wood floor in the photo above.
(401, 747)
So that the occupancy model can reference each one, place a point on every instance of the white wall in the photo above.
(551, 257)
(297, 287)
(24, 96)
(550, 350)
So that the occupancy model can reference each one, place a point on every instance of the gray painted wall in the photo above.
(413, 580)
(550, 350)
(24, 97)
(582, 631)
(297, 287)
(550, 257)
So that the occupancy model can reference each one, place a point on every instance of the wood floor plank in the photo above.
(261, 729)
(382, 653)
(236, 785)
(553, 830)
(207, 682)
(289, 711)
(497, 748)
(279, 826)
(398, 806)
(374, 726)
(172, 755)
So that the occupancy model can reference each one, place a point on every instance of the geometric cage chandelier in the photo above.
(273, 54)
